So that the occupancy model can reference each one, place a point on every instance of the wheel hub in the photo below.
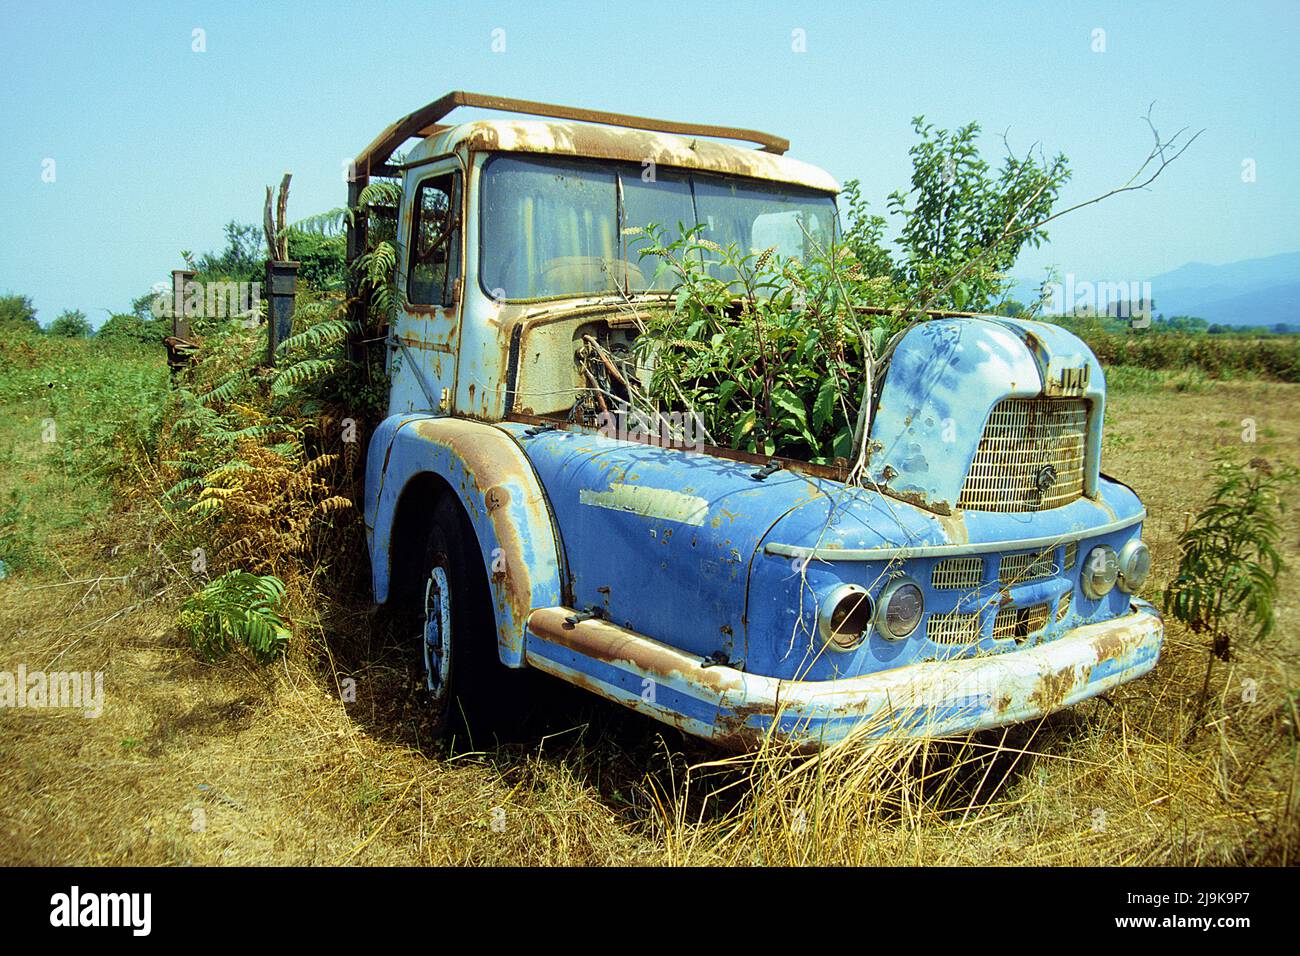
(436, 645)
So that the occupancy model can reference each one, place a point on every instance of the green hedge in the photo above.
(1218, 356)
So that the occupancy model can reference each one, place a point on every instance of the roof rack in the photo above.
(373, 160)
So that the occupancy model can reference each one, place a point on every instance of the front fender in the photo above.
(496, 485)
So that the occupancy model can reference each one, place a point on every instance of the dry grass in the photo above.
(228, 764)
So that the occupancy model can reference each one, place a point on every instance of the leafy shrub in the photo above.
(71, 324)
(779, 367)
(963, 225)
(321, 260)
(261, 465)
(144, 329)
(1230, 562)
(236, 609)
(17, 310)
(783, 356)
(1227, 574)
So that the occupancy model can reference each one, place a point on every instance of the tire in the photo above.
(461, 674)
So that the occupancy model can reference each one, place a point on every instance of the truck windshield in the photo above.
(556, 227)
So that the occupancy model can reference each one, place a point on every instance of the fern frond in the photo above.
(182, 486)
(381, 192)
(308, 370)
(227, 389)
(319, 336)
(334, 503)
(328, 223)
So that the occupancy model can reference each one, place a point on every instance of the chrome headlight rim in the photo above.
(1085, 573)
(882, 608)
(1127, 556)
(826, 616)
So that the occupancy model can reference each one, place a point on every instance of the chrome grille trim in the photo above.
(1019, 622)
(1024, 436)
(954, 627)
(958, 573)
(904, 552)
(1029, 566)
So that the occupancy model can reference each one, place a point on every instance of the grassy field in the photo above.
(202, 763)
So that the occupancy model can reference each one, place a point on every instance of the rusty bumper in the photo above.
(930, 699)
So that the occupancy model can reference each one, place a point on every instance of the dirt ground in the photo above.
(197, 763)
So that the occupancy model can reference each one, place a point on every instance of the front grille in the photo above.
(958, 573)
(1030, 457)
(954, 627)
(1019, 622)
(1071, 552)
(1029, 566)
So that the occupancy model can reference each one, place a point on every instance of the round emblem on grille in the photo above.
(1046, 478)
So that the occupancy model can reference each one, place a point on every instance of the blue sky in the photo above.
(157, 146)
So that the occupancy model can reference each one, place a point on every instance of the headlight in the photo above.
(901, 606)
(845, 616)
(1134, 565)
(1100, 571)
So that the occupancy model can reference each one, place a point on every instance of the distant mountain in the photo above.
(1250, 292)
(1278, 303)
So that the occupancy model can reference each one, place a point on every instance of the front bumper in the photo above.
(929, 699)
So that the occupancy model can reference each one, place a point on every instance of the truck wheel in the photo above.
(457, 629)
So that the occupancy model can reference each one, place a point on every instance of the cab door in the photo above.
(430, 289)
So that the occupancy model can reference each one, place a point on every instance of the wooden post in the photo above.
(281, 288)
(180, 321)
(179, 346)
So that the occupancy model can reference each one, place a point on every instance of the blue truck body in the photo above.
(693, 584)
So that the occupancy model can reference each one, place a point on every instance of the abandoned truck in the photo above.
(985, 575)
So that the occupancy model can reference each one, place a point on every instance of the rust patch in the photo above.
(1111, 647)
(603, 641)
(634, 145)
(954, 527)
(1052, 689)
(496, 497)
(914, 497)
(490, 455)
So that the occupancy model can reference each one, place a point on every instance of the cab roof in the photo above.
(577, 132)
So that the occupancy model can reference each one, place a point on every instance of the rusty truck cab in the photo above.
(985, 573)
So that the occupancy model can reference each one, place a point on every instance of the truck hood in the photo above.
(694, 550)
(944, 379)
(661, 540)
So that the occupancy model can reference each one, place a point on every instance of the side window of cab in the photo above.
(435, 242)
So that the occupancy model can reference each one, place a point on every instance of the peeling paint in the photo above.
(661, 503)
(586, 139)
